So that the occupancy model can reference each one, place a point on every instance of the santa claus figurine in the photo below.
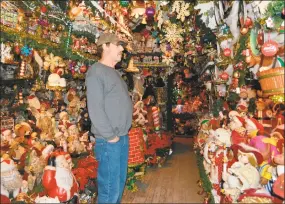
(58, 179)
(11, 180)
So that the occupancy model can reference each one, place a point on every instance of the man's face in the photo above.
(114, 51)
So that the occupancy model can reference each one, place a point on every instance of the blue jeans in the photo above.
(112, 169)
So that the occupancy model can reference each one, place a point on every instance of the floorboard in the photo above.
(174, 182)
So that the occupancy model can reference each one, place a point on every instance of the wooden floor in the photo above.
(174, 182)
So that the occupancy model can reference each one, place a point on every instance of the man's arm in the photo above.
(96, 108)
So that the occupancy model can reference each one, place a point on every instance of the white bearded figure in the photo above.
(11, 180)
(59, 180)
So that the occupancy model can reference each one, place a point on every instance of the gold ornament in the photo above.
(60, 27)
(248, 59)
(236, 75)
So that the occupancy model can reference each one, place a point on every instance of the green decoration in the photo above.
(206, 183)
(217, 107)
(252, 105)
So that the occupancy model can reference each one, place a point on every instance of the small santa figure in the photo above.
(58, 179)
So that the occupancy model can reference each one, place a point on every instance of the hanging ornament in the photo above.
(236, 74)
(269, 48)
(124, 11)
(124, 3)
(248, 59)
(224, 76)
(26, 51)
(53, 27)
(248, 22)
(43, 9)
(227, 52)
(150, 11)
(17, 49)
(83, 69)
(244, 30)
(60, 27)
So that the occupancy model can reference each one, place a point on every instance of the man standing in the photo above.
(110, 110)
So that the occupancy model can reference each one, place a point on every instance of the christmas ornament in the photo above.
(244, 30)
(150, 11)
(83, 69)
(173, 34)
(43, 9)
(269, 48)
(248, 22)
(17, 49)
(227, 52)
(183, 11)
(224, 76)
(248, 59)
(236, 74)
(60, 27)
(124, 3)
(53, 27)
(22, 69)
(26, 51)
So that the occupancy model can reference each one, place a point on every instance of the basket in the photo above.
(272, 81)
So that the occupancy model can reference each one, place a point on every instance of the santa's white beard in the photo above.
(12, 181)
(64, 178)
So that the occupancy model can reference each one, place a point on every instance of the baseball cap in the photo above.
(109, 38)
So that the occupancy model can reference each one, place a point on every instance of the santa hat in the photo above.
(7, 165)
(242, 108)
(254, 124)
(244, 148)
(237, 138)
(33, 101)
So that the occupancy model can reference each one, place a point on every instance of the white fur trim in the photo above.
(49, 168)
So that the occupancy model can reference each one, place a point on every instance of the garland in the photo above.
(36, 42)
(206, 184)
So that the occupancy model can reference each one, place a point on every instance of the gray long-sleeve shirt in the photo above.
(109, 104)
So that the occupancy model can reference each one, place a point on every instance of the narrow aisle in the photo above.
(174, 182)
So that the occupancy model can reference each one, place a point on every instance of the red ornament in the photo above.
(43, 9)
(248, 22)
(199, 48)
(72, 72)
(83, 69)
(17, 49)
(224, 76)
(270, 48)
(227, 52)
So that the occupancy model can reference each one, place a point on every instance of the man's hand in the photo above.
(116, 139)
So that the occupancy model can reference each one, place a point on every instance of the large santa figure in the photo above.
(11, 180)
(59, 180)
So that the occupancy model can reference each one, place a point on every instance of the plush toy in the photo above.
(58, 179)
(263, 114)
(242, 175)
(253, 127)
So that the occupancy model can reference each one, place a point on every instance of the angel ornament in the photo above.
(45, 121)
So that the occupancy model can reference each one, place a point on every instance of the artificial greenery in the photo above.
(206, 184)
(217, 107)
(274, 10)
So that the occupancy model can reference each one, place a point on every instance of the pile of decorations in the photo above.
(240, 144)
